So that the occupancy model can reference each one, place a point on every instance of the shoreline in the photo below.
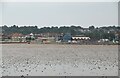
(54, 43)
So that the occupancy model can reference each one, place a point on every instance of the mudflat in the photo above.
(59, 60)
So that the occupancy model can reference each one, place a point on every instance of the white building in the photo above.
(80, 38)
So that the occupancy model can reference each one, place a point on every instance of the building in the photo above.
(67, 37)
(5, 37)
(18, 37)
(80, 39)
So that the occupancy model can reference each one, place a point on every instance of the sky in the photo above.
(47, 14)
(59, 0)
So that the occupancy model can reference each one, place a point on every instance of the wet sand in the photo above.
(59, 60)
(0, 61)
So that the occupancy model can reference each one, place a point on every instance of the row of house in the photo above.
(15, 37)
(49, 38)
(40, 38)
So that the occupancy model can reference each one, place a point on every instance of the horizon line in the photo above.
(60, 25)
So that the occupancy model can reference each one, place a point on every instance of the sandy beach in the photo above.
(59, 60)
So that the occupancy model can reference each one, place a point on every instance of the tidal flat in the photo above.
(59, 60)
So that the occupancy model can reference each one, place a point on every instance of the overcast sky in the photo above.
(60, 13)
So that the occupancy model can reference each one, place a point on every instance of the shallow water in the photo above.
(60, 60)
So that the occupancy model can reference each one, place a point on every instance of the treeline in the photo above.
(34, 29)
(95, 33)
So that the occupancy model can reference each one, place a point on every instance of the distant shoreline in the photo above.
(13, 42)
(54, 43)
